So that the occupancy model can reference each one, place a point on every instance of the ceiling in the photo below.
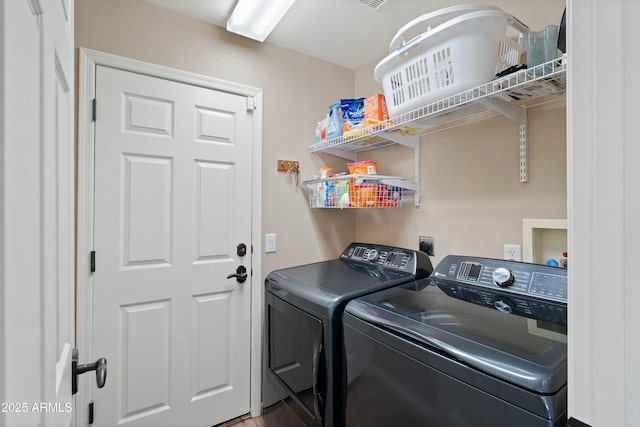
(351, 34)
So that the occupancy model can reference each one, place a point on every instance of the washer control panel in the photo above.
(515, 277)
(407, 260)
(531, 290)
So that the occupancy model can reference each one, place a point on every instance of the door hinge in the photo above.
(91, 412)
(94, 109)
(251, 103)
(92, 262)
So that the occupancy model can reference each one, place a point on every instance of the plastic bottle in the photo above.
(334, 124)
(331, 194)
(342, 193)
(318, 194)
(564, 262)
(327, 188)
(323, 129)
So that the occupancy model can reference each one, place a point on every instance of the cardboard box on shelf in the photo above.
(375, 107)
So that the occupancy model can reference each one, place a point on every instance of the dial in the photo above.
(372, 254)
(502, 277)
(504, 305)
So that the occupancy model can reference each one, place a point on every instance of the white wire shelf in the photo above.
(509, 95)
(358, 191)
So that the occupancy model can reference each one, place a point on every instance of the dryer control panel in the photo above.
(532, 290)
(414, 262)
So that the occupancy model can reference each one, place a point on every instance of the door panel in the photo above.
(211, 359)
(214, 187)
(145, 343)
(57, 247)
(148, 115)
(214, 126)
(36, 166)
(146, 201)
(172, 202)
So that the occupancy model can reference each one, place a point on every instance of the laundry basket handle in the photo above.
(431, 20)
(517, 24)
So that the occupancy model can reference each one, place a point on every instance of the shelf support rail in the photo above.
(523, 149)
(518, 115)
(410, 141)
(416, 171)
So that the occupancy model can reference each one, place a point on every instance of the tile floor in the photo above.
(244, 421)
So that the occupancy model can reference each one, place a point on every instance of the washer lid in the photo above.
(323, 288)
(523, 351)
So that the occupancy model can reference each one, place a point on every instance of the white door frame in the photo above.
(604, 211)
(89, 60)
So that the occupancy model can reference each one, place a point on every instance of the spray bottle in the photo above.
(328, 189)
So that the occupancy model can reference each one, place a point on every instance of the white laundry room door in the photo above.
(57, 198)
(37, 226)
(172, 213)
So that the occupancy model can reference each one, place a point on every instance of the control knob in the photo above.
(503, 305)
(372, 255)
(503, 277)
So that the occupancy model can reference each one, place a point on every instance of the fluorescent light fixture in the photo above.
(257, 18)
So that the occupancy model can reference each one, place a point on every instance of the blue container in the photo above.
(334, 127)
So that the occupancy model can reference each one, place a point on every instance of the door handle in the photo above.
(100, 366)
(240, 274)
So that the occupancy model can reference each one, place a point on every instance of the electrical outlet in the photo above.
(513, 252)
(426, 244)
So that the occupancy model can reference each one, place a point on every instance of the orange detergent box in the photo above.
(375, 107)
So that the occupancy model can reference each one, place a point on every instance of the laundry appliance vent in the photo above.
(373, 4)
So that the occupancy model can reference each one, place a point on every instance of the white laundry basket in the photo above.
(457, 50)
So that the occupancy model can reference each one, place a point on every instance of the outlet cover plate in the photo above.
(513, 252)
(426, 244)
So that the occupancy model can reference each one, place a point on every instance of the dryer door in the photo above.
(295, 374)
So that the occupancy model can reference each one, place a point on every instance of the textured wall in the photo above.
(297, 92)
(472, 200)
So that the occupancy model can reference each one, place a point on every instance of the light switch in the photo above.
(269, 243)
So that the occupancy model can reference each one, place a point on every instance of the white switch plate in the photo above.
(269, 243)
(513, 252)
